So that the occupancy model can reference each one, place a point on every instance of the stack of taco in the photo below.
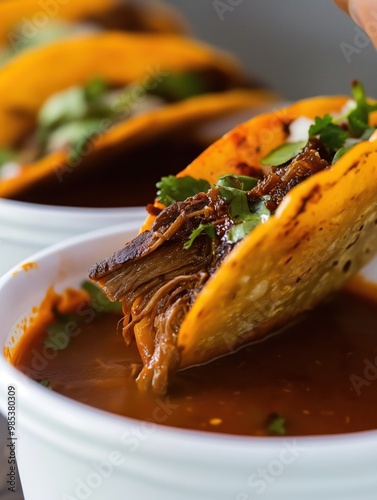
(99, 117)
(28, 23)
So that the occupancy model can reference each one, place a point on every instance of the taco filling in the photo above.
(159, 274)
(69, 119)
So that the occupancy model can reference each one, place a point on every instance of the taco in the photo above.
(27, 23)
(108, 91)
(234, 257)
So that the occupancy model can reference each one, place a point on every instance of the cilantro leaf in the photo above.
(172, 189)
(178, 86)
(243, 182)
(320, 125)
(358, 118)
(283, 153)
(57, 338)
(202, 228)
(46, 383)
(276, 424)
(332, 135)
(95, 88)
(257, 213)
(99, 302)
(239, 231)
(239, 205)
(66, 326)
(6, 156)
(340, 153)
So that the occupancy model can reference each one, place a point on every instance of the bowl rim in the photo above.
(21, 206)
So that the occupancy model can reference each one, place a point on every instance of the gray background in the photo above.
(294, 46)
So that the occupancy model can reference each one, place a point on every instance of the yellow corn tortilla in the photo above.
(323, 232)
(118, 58)
(31, 15)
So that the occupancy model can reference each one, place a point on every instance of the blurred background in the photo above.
(300, 48)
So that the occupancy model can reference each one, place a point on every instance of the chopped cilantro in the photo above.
(99, 301)
(333, 136)
(246, 216)
(71, 118)
(234, 189)
(358, 118)
(257, 213)
(340, 153)
(319, 125)
(283, 153)
(202, 228)
(336, 138)
(239, 231)
(59, 334)
(63, 107)
(172, 189)
(239, 205)
(242, 182)
(66, 326)
(276, 424)
(46, 383)
(94, 89)
(6, 156)
(178, 86)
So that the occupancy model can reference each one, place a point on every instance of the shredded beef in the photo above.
(279, 182)
(158, 280)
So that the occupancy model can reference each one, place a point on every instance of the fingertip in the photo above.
(342, 4)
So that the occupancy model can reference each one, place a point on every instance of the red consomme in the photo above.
(318, 376)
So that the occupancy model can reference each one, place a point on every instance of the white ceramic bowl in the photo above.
(26, 228)
(70, 451)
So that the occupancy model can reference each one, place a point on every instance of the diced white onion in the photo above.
(299, 129)
(9, 170)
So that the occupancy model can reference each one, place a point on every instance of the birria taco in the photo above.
(27, 23)
(104, 93)
(262, 226)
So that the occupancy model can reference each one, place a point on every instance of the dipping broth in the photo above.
(319, 376)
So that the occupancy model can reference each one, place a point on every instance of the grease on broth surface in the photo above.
(319, 376)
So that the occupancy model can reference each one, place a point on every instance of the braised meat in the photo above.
(158, 275)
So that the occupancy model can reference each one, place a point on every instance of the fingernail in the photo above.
(353, 8)
(364, 13)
